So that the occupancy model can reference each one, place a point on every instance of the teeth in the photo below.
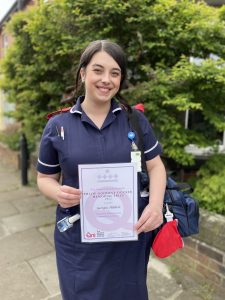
(104, 89)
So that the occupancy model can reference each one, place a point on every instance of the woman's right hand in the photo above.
(68, 196)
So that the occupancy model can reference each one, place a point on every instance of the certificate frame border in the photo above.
(85, 167)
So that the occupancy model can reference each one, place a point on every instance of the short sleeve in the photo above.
(152, 147)
(48, 162)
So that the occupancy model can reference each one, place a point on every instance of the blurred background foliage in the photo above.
(175, 52)
(210, 188)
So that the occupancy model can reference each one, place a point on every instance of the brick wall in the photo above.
(203, 256)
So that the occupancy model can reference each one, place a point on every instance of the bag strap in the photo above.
(182, 186)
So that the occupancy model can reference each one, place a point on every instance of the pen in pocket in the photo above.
(62, 132)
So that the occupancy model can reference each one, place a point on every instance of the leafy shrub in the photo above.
(210, 187)
(159, 38)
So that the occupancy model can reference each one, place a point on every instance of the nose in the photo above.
(106, 77)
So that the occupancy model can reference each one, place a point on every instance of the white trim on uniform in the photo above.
(116, 109)
(75, 111)
(149, 150)
(46, 165)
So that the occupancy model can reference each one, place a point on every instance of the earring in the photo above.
(82, 79)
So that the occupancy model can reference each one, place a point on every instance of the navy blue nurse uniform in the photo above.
(95, 271)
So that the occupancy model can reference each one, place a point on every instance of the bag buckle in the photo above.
(168, 215)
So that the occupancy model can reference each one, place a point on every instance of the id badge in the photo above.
(136, 158)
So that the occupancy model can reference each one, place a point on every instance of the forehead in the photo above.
(103, 59)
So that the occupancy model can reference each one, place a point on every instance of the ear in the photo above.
(82, 74)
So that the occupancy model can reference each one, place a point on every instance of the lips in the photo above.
(104, 89)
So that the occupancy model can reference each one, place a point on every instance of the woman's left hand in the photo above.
(151, 218)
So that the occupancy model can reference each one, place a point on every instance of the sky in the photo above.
(5, 5)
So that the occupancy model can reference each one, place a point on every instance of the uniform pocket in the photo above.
(72, 234)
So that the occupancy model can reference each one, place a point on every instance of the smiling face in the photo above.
(102, 78)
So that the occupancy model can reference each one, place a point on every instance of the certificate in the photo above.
(108, 206)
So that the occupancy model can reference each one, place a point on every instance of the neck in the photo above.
(97, 113)
(95, 108)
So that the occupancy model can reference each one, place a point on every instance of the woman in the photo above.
(94, 131)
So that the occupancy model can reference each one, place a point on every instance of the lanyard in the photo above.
(135, 153)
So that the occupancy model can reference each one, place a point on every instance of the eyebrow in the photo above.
(100, 66)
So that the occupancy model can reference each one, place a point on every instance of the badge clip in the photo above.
(168, 214)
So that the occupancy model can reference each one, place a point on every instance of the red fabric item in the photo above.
(62, 110)
(140, 107)
(167, 240)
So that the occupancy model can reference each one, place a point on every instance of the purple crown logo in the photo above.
(107, 176)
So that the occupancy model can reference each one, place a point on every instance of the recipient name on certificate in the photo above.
(108, 206)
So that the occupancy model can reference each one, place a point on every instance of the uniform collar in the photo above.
(77, 109)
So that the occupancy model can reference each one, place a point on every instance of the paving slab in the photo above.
(9, 193)
(21, 246)
(195, 290)
(7, 209)
(21, 222)
(3, 231)
(28, 204)
(45, 268)
(48, 232)
(8, 179)
(185, 295)
(161, 284)
(57, 297)
(19, 282)
(7, 185)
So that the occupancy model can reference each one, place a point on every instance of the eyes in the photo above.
(113, 73)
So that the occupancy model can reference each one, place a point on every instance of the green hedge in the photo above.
(210, 184)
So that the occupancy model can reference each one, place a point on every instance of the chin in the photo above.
(105, 98)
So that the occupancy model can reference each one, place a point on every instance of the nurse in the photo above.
(95, 131)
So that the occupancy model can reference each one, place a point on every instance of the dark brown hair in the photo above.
(115, 51)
